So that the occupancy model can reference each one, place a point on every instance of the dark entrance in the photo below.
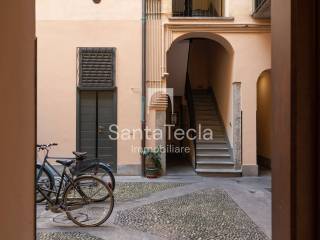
(96, 112)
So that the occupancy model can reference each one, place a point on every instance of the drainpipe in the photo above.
(143, 87)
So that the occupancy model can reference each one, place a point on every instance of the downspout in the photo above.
(143, 87)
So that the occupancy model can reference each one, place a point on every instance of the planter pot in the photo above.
(152, 172)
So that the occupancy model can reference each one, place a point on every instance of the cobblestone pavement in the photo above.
(65, 236)
(209, 214)
(176, 208)
(128, 191)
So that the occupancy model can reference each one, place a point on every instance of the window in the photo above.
(197, 8)
(96, 67)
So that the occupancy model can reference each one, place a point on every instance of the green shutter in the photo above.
(96, 68)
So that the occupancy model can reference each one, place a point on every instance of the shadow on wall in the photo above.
(210, 66)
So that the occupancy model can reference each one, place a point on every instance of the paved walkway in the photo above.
(222, 208)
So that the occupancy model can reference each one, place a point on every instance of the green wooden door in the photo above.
(96, 114)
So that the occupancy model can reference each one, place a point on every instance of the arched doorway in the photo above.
(200, 73)
(264, 119)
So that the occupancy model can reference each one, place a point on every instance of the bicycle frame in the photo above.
(50, 167)
(57, 193)
(53, 172)
(64, 178)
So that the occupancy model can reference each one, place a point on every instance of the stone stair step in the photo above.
(206, 113)
(219, 172)
(211, 121)
(215, 162)
(217, 127)
(208, 116)
(212, 124)
(213, 155)
(212, 147)
(214, 141)
(209, 151)
(216, 166)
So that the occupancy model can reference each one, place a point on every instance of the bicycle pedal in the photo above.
(56, 210)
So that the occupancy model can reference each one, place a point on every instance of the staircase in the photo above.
(213, 157)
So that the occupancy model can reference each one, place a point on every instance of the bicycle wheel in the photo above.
(103, 172)
(45, 182)
(80, 204)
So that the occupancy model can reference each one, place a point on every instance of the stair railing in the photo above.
(192, 120)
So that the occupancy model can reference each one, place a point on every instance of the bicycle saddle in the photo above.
(80, 155)
(66, 163)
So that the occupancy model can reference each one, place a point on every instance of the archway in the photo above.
(200, 73)
(264, 120)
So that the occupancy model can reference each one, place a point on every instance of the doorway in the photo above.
(96, 113)
(264, 121)
(178, 160)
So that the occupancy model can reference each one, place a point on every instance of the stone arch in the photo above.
(206, 35)
(231, 100)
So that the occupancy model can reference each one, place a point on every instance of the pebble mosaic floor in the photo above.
(66, 236)
(203, 215)
(128, 191)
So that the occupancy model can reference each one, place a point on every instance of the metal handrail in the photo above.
(258, 4)
(192, 120)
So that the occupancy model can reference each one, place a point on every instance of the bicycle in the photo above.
(77, 197)
(82, 166)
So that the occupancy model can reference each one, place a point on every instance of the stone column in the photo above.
(237, 125)
(160, 124)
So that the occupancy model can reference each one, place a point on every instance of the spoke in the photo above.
(97, 191)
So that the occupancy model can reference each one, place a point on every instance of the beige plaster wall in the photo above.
(239, 10)
(211, 66)
(57, 75)
(252, 55)
(199, 63)
(220, 80)
(264, 115)
(87, 10)
(177, 60)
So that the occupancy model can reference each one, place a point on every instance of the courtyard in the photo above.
(179, 206)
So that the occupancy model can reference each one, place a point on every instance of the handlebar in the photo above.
(46, 146)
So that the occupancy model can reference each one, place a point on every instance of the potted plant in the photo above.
(152, 162)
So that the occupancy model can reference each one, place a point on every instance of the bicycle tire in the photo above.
(68, 203)
(104, 168)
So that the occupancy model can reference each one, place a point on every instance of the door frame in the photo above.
(296, 119)
(115, 112)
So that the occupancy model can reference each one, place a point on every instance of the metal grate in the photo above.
(96, 67)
